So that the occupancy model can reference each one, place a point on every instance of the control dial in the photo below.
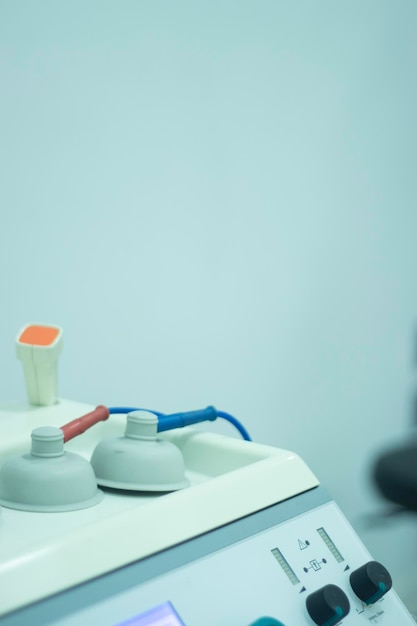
(370, 582)
(328, 605)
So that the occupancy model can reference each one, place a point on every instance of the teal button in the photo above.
(266, 621)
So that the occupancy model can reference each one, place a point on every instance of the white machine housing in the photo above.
(254, 535)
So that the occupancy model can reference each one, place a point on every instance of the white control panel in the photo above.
(271, 573)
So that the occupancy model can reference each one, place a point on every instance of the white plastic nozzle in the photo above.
(139, 461)
(48, 479)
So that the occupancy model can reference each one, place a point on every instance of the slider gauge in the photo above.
(329, 543)
(288, 570)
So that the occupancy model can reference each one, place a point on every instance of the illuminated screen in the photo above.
(162, 615)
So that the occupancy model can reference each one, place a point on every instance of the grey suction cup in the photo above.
(48, 479)
(139, 461)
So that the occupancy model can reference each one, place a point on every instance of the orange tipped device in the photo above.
(38, 346)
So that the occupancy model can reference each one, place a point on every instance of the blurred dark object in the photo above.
(395, 474)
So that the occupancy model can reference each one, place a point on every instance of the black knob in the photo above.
(370, 582)
(328, 605)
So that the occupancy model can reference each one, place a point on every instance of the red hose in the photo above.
(81, 424)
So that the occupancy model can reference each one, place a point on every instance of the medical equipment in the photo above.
(247, 538)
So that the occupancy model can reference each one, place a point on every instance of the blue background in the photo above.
(217, 202)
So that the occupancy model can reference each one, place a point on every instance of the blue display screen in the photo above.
(162, 615)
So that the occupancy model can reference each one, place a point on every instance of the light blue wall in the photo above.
(217, 201)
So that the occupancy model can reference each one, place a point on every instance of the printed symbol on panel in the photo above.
(302, 589)
(374, 618)
(315, 565)
(346, 568)
(303, 545)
